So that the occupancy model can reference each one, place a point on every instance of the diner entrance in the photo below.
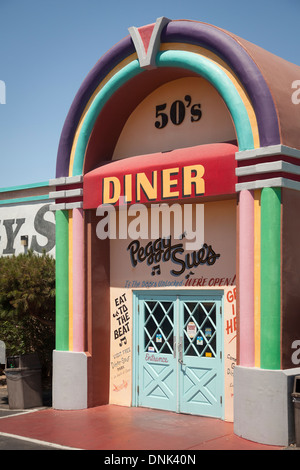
(179, 352)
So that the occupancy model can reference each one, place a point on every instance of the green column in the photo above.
(62, 280)
(270, 277)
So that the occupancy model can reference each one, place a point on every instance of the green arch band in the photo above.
(62, 280)
(121, 77)
(181, 59)
(212, 73)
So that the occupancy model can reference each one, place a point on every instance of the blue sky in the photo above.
(47, 47)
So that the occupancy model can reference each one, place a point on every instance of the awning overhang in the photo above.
(177, 175)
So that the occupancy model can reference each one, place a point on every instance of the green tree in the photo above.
(27, 305)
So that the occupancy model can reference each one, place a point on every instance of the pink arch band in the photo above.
(246, 277)
(78, 281)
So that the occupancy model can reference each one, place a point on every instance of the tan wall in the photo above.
(140, 136)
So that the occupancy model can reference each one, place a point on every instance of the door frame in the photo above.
(136, 295)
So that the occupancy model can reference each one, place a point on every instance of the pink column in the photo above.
(78, 282)
(246, 278)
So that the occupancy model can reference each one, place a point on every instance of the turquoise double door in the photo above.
(179, 364)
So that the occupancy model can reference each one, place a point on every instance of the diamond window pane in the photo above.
(200, 329)
(158, 326)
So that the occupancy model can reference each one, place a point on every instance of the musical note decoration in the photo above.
(155, 270)
(123, 340)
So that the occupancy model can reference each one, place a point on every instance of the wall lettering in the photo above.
(177, 112)
(43, 227)
(168, 183)
(210, 282)
(162, 250)
(230, 337)
(121, 358)
(11, 233)
(122, 319)
(34, 225)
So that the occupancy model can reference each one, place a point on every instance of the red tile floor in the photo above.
(112, 427)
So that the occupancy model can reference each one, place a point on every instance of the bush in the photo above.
(27, 306)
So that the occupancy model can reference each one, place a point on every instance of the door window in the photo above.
(200, 329)
(158, 326)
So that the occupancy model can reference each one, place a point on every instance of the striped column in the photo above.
(246, 278)
(268, 170)
(68, 195)
(62, 280)
(270, 278)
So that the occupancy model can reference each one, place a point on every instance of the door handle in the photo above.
(180, 352)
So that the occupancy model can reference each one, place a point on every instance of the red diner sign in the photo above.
(194, 172)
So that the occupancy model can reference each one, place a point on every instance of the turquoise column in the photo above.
(62, 280)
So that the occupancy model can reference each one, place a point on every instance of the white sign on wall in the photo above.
(32, 223)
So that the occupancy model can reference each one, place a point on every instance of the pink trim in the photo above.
(146, 33)
(78, 281)
(246, 277)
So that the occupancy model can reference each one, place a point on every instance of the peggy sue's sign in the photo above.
(206, 170)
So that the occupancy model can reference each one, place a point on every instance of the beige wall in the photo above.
(140, 136)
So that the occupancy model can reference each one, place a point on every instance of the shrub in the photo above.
(27, 305)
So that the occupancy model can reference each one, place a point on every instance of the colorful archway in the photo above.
(186, 60)
(208, 42)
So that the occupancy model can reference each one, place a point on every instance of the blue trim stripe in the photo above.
(24, 186)
(24, 199)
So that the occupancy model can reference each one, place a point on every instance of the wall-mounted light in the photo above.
(24, 240)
